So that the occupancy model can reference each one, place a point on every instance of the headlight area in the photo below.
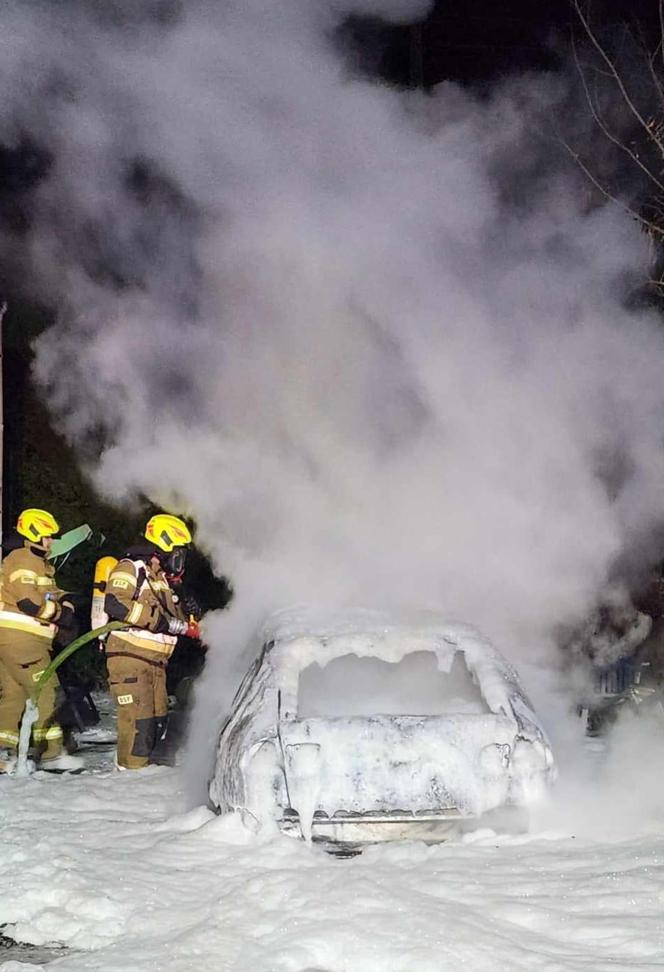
(495, 759)
(265, 782)
(531, 769)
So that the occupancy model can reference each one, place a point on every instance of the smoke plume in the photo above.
(373, 341)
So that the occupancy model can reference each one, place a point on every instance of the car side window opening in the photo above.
(350, 686)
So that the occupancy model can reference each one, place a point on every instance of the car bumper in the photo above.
(374, 828)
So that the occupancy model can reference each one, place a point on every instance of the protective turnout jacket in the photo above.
(29, 596)
(137, 594)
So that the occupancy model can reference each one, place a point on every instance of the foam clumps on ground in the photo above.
(116, 868)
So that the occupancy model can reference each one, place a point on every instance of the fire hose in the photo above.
(31, 713)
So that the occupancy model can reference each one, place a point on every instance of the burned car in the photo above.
(355, 728)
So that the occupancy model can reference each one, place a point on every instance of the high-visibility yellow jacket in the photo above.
(142, 597)
(29, 595)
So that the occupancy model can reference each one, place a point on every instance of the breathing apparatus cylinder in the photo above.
(103, 568)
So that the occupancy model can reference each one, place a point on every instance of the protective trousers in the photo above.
(139, 689)
(23, 657)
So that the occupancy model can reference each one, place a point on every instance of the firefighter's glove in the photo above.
(192, 607)
(177, 627)
(193, 630)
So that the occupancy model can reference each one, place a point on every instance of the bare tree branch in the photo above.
(616, 76)
(653, 56)
(606, 131)
(647, 225)
(653, 73)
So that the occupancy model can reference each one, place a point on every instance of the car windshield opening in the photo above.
(353, 686)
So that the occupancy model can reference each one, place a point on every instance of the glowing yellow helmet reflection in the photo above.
(37, 524)
(167, 531)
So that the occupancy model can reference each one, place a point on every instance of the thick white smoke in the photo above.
(370, 340)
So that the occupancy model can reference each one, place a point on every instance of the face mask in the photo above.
(174, 562)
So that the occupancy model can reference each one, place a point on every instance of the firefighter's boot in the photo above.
(7, 760)
(64, 763)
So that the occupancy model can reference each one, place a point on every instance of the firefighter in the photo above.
(138, 592)
(31, 608)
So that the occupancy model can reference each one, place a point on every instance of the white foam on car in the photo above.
(374, 761)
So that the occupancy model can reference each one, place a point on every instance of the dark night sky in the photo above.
(477, 41)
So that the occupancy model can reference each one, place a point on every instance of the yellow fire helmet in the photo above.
(167, 531)
(36, 524)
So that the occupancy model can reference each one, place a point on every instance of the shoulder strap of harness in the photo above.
(141, 575)
(141, 579)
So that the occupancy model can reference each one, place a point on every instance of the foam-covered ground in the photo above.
(110, 866)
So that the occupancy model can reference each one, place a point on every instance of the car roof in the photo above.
(388, 633)
(299, 636)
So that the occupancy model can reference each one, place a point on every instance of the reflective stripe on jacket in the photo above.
(29, 595)
(23, 622)
(144, 598)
